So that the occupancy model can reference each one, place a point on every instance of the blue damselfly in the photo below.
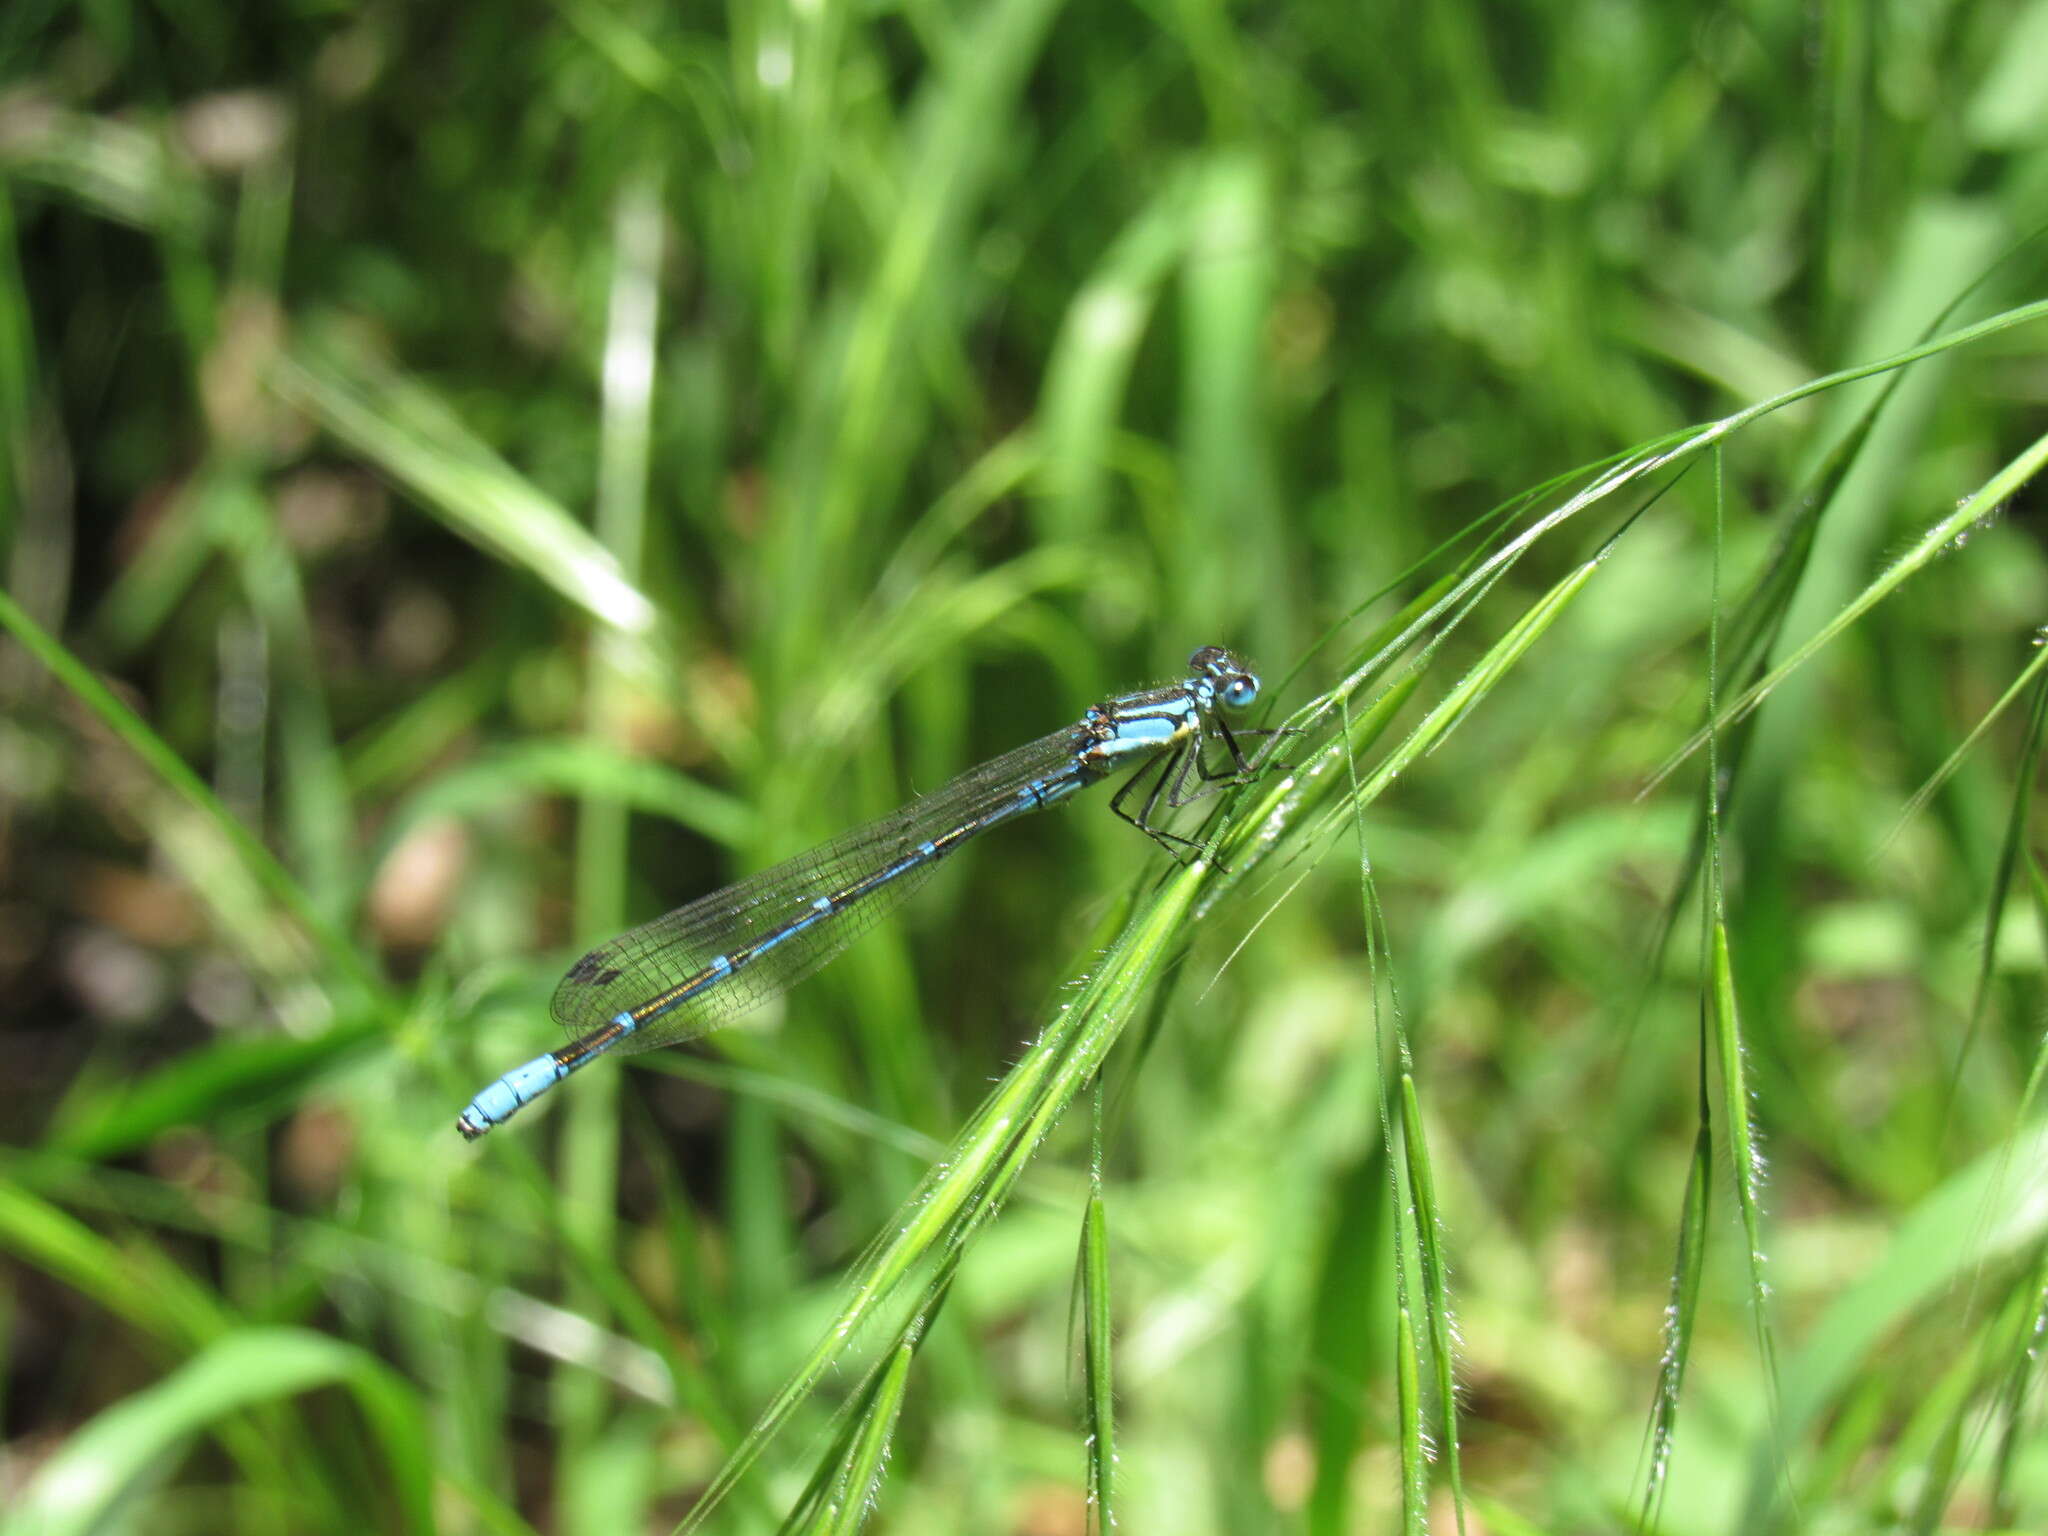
(685, 974)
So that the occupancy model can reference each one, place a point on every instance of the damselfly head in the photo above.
(1237, 686)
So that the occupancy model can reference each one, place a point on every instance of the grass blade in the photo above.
(414, 437)
(1098, 1376)
(78, 1488)
(965, 1192)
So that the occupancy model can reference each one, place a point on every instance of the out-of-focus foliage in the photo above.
(476, 476)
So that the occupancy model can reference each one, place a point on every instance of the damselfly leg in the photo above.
(1241, 770)
(1168, 770)
(1184, 777)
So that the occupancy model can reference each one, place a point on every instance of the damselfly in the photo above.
(685, 974)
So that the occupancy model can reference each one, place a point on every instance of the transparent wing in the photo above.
(626, 971)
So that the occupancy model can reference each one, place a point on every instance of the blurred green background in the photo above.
(524, 466)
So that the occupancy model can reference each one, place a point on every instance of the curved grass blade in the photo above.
(1291, 807)
(225, 1086)
(412, 435)
(1932, 542)
(1092, 356)
(568, 766)
(78, 1488)
(1637, 465)
(140, 1283)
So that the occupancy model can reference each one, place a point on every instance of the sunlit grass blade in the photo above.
(119, 169)
(1391, 1050)
(1082, 398)
(1226, 305)
(1431, 622)
(1745, 1154)
(1441, 572)
(945, 162)
(1758, 618)
(590, 1138)
(1675, 448)
(400, 426)
(1722, 1038)
(142, 1284)
(846, 1485)
(177, 1314)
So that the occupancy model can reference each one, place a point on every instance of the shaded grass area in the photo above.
(477, 478)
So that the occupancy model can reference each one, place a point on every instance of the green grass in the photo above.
(478, 478)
